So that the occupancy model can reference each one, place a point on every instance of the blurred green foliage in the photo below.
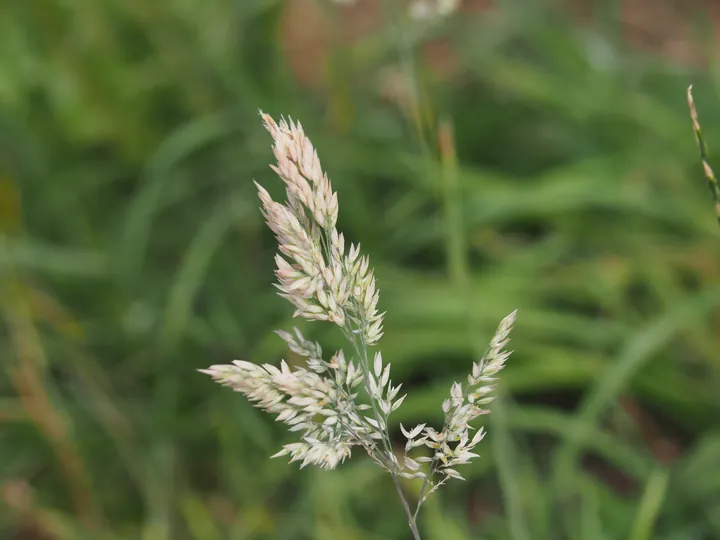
(133, 253)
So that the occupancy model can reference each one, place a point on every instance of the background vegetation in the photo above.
(133, 253)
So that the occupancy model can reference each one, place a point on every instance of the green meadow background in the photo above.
(553, 171)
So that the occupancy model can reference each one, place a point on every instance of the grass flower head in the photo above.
(321, 401)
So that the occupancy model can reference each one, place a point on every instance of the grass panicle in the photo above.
(320, 401)
(702, 146)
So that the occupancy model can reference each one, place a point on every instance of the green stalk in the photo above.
(361, 350)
